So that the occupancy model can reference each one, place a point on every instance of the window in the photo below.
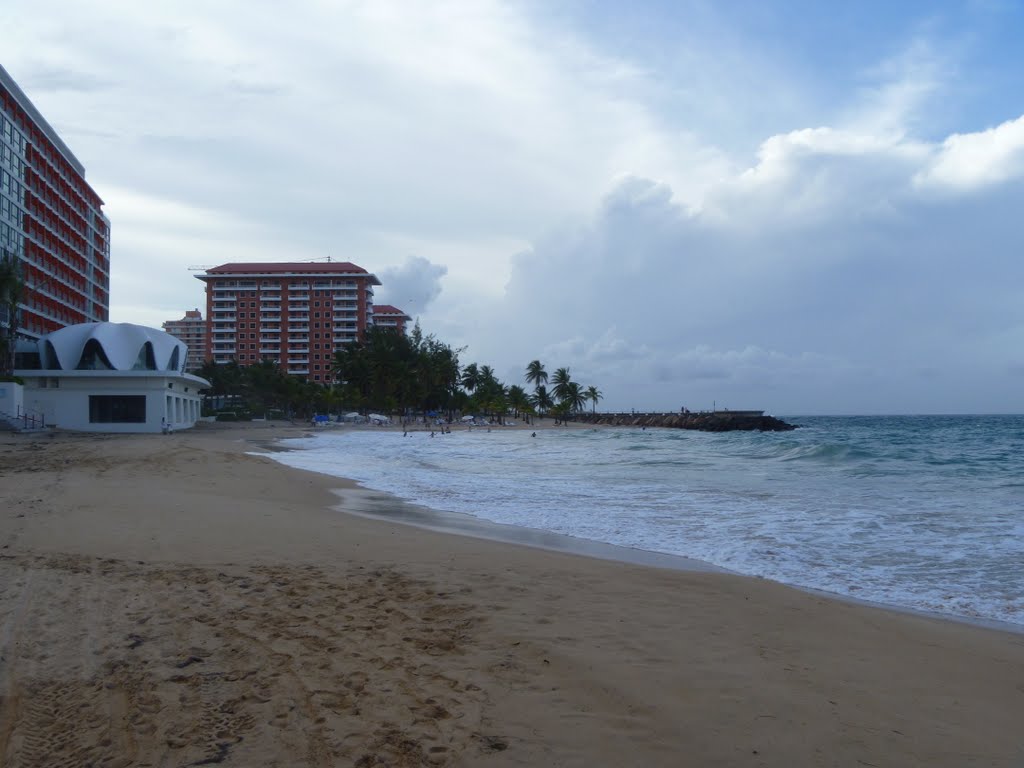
(117, 409)
(94, 358)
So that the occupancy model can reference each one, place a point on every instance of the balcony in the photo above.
(225, 289)
(298, 328)
(270, 351)
(223, 328)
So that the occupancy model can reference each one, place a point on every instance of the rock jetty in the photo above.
(705, 421)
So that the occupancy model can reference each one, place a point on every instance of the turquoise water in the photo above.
(921, 512)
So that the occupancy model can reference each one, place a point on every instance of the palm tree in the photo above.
(574, 398)
(535, 374)
(560, 381)
(518, 400)
(541, 400)
(470, 377)
(593, 394)
(487, 377)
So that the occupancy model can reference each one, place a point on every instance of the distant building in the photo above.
(296, 314)
(50, 221)
(191, 329)
(387, 316)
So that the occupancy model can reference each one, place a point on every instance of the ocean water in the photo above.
(920, 512)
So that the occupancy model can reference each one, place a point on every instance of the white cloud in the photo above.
(691, 225)
(412, 286)
(969, 161)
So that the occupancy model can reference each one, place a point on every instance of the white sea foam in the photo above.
(918, 513)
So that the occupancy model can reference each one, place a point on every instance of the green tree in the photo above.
(559, 383)
(535, 374)
(573, 397)
(542, 400)
(518, 400)
(594, 395)
(470, 377)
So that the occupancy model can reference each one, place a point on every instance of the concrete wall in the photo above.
(64, 400)
(11, 398)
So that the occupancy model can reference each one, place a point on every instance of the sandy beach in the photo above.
(174, 601)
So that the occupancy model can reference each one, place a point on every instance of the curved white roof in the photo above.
(122, 344)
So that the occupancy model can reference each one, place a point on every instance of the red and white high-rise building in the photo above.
(51, 221)
(387, 316)
(296, 314)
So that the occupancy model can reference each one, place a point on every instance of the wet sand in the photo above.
(173, 601)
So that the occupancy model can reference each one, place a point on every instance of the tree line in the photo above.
(396, 373)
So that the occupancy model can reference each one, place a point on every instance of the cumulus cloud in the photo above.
(972, 160)
(755, 298)
(411, 286)
(709, 220)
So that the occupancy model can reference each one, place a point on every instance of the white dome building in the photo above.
(112, 377)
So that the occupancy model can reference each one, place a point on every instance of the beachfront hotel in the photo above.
(51, 221)
(387, 316)
(296, 314)
(191, 329)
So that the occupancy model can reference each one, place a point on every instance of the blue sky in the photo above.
(808, 207)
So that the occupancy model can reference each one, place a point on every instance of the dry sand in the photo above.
(172, 601)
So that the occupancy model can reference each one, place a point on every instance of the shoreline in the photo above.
(174, 600)
(389, 507)
(361, 501)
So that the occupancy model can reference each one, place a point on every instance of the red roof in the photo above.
(276, 267)
(387, 309)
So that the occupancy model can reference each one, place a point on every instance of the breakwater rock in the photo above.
(713, 421)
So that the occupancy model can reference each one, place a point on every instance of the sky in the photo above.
(805, 207)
